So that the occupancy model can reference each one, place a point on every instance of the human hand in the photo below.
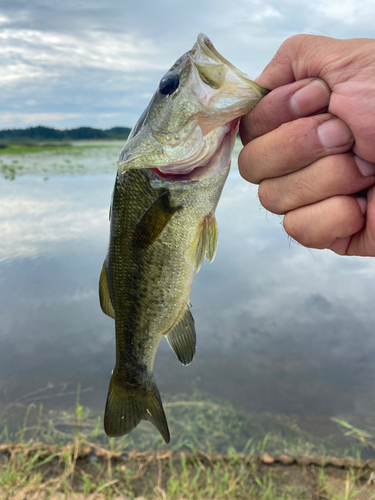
(310, 143)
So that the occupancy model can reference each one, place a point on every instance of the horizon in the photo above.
(62, 129)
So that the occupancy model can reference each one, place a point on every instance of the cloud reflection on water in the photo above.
(280, 328)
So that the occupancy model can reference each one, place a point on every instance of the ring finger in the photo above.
(341, 174)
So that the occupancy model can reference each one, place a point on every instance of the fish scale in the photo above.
(160, 272)
(163, 223)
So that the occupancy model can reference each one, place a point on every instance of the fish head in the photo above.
(196, 107)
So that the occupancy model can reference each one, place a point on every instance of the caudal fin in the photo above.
(126, 407)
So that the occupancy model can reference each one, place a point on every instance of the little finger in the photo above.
(321, 224)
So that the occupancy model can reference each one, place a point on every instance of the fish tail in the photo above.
(127, 406)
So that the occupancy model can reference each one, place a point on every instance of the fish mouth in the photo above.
(181, 130)
(207, 48)
(218, 162)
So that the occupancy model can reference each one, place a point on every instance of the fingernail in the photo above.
(311, 98)
(362, 202)
(334, 133)
(365, 167)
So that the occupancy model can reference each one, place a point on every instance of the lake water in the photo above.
(281, 330)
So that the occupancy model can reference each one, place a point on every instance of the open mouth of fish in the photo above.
(187, 132)
(214, 162)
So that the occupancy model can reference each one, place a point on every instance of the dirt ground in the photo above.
(36, 471)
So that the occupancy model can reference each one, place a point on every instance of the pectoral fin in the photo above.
(153, 221)
(182, 338)
(105, 298)
(205, 244)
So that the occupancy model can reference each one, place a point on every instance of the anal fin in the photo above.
(104, 296)
(205, 243)
(182, 338)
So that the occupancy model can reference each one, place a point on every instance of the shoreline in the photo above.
(84, 470)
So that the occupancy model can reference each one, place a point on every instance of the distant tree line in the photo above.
(50, 134)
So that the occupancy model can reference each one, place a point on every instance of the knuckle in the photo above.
(291, 43)
(242, 164)
(299, 228)
(246, 165)
(291, 227)
(270, 197)
(263, 195)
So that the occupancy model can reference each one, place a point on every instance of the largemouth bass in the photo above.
(170, 176)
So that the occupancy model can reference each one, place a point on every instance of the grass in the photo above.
(84, 470)
(77, 157)
(74, 148)
(42, 459)
(81, 157)
(19, 149)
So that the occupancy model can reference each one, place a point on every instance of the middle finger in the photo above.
(294, 145)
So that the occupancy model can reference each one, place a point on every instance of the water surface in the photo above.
(280, 329)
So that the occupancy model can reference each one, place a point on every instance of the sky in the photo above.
(96, 63)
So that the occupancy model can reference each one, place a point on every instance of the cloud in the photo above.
(42, 223)
(59, 119)
(88, 60)
(32, 118)
(4, 19)
(66, 80)
(39, 219)
(349, 12)
(45, 53)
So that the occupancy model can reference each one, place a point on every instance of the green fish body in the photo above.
(171, 174)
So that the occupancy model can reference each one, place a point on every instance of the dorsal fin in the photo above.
(153, 221)
(104, 296)
(182, 338)
(205, 243)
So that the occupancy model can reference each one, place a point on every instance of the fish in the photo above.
(170, 176)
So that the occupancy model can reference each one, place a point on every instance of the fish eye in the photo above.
(169, 83)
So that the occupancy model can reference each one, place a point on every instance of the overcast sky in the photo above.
(68, 63)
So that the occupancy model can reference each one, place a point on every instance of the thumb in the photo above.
(301, 56)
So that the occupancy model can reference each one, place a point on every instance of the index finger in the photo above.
(284, 104)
